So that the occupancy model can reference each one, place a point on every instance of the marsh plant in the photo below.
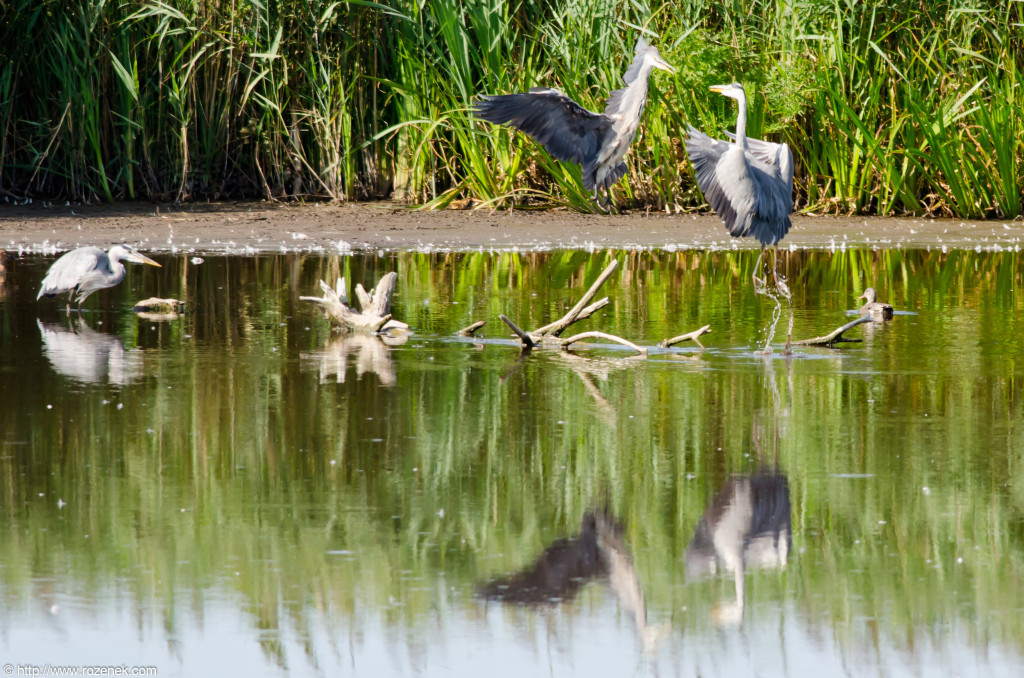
(889, 108)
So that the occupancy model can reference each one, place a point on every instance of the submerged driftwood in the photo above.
(375, 306)
(690, 336)
(550, 334)
(836, 335)
(470, 330)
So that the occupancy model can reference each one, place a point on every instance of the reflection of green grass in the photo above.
(226, 481)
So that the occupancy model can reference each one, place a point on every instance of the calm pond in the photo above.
(242, 491)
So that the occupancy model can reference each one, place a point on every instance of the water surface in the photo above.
(244, 491)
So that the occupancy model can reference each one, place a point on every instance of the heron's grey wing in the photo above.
(565, 129)
(773, 203)
(774, 155)
(70, 270)
(727, 189)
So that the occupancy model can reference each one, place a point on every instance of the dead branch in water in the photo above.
(603, 335)
(525, 338)
(375, 306)
(549, 335)
(836, 336)
(580, 310)
(691, 336)
(470, 330)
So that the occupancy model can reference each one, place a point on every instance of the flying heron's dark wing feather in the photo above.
(615, 174)
(68, 272)
(568, 131)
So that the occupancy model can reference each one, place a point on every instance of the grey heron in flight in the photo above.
(571, 133)
(749, 183)
(83, 271)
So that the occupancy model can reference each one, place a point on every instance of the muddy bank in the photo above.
(262, 227)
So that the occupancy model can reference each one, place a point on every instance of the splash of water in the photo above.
(781, 289)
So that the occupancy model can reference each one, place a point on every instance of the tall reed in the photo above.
(888, 108)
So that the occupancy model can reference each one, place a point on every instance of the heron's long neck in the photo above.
(741, 122)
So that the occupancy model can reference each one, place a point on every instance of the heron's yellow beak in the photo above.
(717, 88)
(664, 65)
(143, 259)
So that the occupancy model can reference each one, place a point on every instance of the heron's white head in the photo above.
(652, 56)
(645, 57)
(733, 91)
(129, 253)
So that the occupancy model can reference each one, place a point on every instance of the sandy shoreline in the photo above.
(264, 227)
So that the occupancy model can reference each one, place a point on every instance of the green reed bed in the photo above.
(888, 108)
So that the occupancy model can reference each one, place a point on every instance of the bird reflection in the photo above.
(82, 353)
(371, 353)
(599, 552)
(747, 526)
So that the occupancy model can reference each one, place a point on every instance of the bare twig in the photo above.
(471, 329)
(602, 335)
(556, 328)
(583, 315)
(836, 336)
(692, 336)
(523, 336)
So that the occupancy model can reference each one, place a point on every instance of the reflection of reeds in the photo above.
(888, 108)
(245, 441)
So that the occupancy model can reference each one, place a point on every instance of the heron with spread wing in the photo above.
(571, 133)
(749, 183)
(83, 271)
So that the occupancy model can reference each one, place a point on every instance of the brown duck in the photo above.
(878, 310)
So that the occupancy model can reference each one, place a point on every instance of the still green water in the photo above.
(242, 491)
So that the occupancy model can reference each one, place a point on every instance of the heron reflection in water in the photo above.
(598, 551)
(81, 272)
(748, 526)
(596, 141)
(83, 354)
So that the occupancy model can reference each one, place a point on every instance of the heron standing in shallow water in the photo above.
(749, 183)
(571, 133)
(87, 269)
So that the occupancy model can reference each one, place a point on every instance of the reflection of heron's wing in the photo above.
(557, 574)
(565, 129)
(748, 524)
(88, 355)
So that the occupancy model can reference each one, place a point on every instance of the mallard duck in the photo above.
(878, 310)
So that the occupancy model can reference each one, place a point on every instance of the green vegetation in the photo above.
(889, 107)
